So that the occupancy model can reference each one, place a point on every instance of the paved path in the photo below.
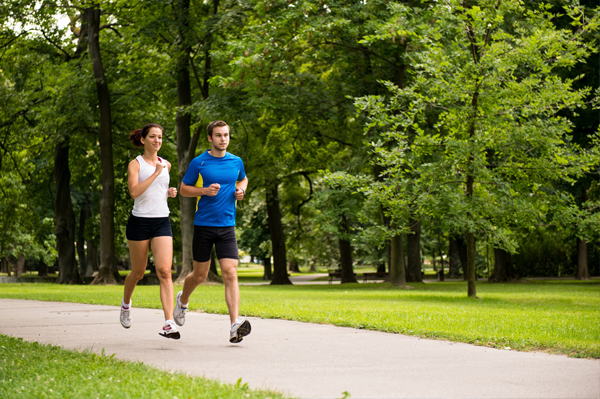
(307, 360)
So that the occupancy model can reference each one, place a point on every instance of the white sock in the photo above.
(167, 322)
(125, 305)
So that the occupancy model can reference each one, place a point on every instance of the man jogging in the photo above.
(217, 179)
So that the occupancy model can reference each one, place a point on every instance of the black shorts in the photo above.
(142, 229)
(223, 238)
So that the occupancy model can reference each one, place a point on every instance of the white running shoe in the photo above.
(239, 330)
(126, 317)
(179, 313)
(170, 330)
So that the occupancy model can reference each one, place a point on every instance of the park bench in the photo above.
(374, 276)
(336, 274)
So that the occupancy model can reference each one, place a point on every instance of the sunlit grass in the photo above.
(556, 316)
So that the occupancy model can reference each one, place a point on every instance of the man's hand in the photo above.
(213, 189)
(239, 194)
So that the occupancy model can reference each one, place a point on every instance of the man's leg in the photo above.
(194, 279)
(232, 290)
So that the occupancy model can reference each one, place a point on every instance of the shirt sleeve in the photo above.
(241, 171)
(191, 174)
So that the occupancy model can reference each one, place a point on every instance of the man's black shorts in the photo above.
(142, 229)
(223, 238)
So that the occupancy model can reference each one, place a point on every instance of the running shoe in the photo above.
(179, 314)
(239, 330)
(126, 317)
(170, 330)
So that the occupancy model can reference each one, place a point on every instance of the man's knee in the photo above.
(229, 274)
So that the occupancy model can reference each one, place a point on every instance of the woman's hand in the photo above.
(172, 192)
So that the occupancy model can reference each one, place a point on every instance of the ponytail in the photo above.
(137, 135)
(136, 138)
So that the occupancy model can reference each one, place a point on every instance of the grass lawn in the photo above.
(31, 370)
(556, 316)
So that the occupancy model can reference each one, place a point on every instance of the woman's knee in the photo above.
(164, 273)
(136, 275)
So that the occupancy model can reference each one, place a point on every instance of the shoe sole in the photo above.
(243, 330)
(173, 335)
(124, 326)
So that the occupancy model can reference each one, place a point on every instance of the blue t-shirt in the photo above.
(204, 170)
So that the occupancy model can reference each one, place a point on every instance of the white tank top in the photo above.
(153, 202)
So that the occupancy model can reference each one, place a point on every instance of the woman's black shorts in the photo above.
(142, 229)
(223, 238)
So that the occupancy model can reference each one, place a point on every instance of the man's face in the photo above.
(220, 138)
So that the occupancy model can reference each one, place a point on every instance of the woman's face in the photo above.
(153, 140)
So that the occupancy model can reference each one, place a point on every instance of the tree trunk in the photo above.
(345, 247)
(107, 273)
(81, 241)
(294, 266)
(280, 275)
(503, 267)
(42, 269)
(92, 257)
(187, 205)
(6, 265)
(470, 238)
(582, 263)
(268, 275)
(453, 258)
(64, 215)
(440, 274)
(413, 269)
(397, 267)
(472, 278)
(20, 269)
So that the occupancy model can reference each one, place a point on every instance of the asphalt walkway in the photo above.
(306, 360)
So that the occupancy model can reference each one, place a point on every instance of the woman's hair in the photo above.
(137, 135)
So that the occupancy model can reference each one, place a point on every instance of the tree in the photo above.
(65, 217)
(497, 141)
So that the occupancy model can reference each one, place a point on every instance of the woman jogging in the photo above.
(148, 225)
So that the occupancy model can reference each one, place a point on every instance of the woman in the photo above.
(148, 225)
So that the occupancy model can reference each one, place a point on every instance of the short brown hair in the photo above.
(214, 124)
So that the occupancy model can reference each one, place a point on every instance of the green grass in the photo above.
(32, 370)
(554, 316)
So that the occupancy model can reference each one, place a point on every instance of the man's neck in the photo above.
(217, 153)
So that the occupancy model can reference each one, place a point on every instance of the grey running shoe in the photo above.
(170, 330)
(239, 330)
(126, 317)
(179, 313)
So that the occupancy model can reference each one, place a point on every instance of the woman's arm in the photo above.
(133, 177)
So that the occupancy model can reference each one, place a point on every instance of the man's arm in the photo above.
(240, 188)
(191, 191)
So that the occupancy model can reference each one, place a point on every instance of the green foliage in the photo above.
(32, 370)
(484, 107)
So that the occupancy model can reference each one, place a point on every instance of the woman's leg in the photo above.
(138, 253)
(162, 250)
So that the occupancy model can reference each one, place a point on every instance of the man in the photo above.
(217, 179)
